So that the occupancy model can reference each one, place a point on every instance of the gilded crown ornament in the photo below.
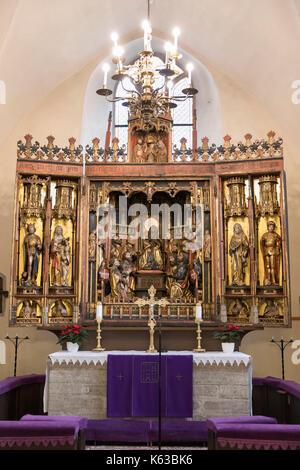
(268, 199)
(236, 203)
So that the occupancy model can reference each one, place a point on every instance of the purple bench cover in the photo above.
(267, 436)
(117, 430)
(293, 388)
(10, 383)
(258, 381)
(77, 420)
(179, 431)
(26, 433)
(213, 423)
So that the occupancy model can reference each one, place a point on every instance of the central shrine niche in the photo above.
(155, 237)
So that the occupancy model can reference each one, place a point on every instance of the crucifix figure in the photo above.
(152, 322)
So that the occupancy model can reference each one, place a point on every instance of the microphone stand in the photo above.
(159, 383)
(160, 350)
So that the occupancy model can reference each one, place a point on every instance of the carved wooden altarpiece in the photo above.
(62, 264)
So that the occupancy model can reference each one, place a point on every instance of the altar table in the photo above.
(76, 383)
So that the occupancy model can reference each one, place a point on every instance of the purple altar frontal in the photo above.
(134, 384)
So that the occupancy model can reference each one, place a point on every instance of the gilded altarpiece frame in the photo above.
(243, 265)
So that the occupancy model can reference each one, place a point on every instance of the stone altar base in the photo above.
(76, 384)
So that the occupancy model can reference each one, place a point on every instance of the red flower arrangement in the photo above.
(228, 333)
(73, 334)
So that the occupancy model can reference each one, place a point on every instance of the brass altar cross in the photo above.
(152, 322)
(120, 377)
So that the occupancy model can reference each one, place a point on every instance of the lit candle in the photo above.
(147, 31)
(199, 312)
(114, 37)
(176, 32)
(118, 51)
(105, 69)
(189, 69)
(99, 311)
(168, 48)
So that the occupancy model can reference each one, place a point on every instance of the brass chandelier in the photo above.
(143, 100)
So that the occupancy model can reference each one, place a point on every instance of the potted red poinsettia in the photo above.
(73, 336)
(228, 334)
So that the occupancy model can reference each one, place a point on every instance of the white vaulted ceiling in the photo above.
(255, 43)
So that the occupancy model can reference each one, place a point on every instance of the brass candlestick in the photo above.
(198, 349)
(98, 348)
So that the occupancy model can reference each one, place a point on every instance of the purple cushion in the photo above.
(293, 388)
(76, 420)
(213, 423)
(11, 383)
(117, 430)
(273, 381)
(179, 431)
(259, 435)
(29, 432)
(258, 381)
(290, 387)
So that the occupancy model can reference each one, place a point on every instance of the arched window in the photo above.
(182, 115)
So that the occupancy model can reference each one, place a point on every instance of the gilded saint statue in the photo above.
(115, 277)
(271, 309)
(238, 250)
(61, 258)
(239, 310)
(161, 151)
(138, 151)
(270, 245)
(151, 256)
(178, 285)
(28, 310)
(59, 310)
(207, 245)
(32, 247)
(92, 245)
(121, 279)
(150, 148)
(65, 261)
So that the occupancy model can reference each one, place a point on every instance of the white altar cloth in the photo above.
(203, 406)
(210, 357)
